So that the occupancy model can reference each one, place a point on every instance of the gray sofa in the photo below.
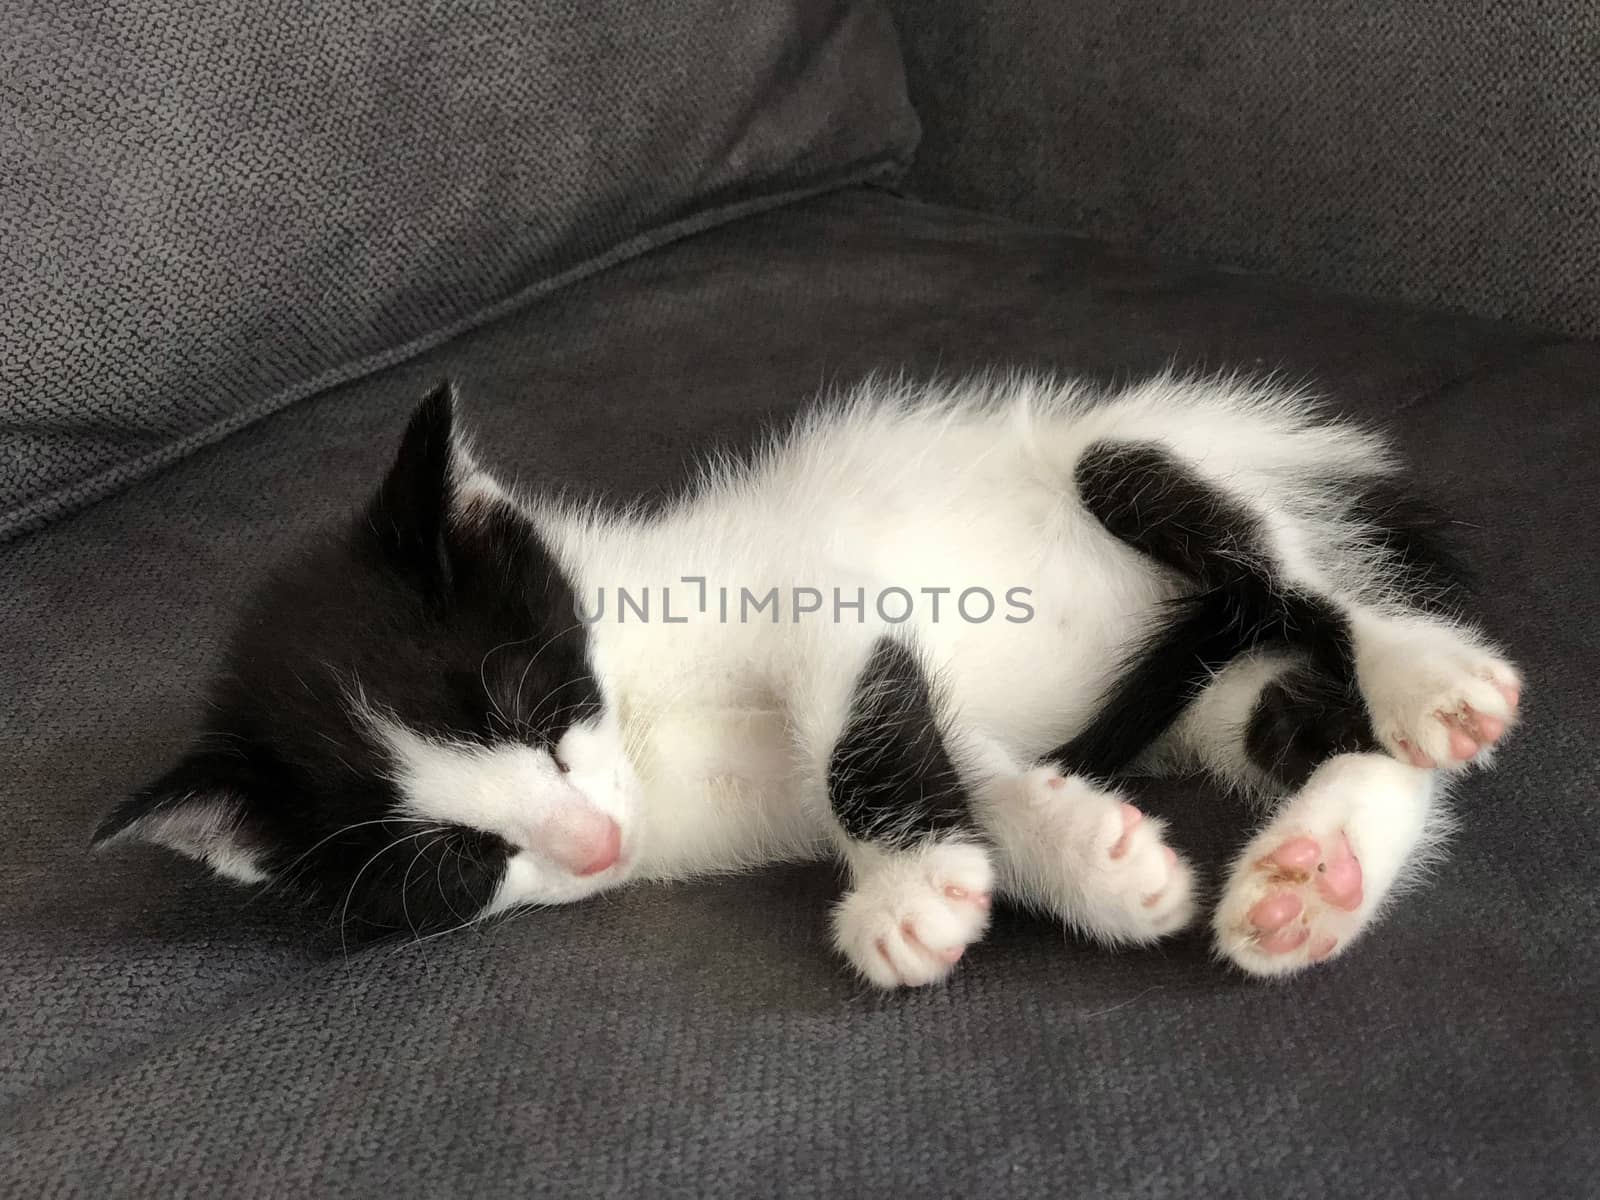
(240, 241)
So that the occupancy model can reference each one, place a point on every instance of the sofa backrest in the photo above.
(1446, 154)
(211, 208)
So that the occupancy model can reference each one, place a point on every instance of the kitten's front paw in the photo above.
(913, 913)
(1438, 699)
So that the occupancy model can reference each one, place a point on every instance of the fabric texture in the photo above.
(213, 209)
(1436, 153)
(167, 1035)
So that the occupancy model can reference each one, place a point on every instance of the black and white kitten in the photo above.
(917, 632)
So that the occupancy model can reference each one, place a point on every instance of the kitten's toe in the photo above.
(1142, 885)
(1311, 889)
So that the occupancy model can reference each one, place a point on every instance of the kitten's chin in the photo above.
(531, 882)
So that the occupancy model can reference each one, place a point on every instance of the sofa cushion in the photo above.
(212, 209)
(165, 1034)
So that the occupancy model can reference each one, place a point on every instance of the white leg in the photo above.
(1327, 862)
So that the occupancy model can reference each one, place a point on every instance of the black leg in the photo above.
(890, 778)
(921, 878)
(1153, 502)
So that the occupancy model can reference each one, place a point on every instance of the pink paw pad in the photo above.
(1417, 757)
(1488, 728)
(1281, 941)
(1339, 876)
(1276, 911)
(1297, 856)
(981, 899)
(1461, 743)
(1305, 877)
(1131, 817)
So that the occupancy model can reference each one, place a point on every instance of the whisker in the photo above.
(283, 878)
(484, 680)
(344, 915)
(405, 882)
(522, 679)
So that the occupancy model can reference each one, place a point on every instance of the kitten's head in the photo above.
(409, 728)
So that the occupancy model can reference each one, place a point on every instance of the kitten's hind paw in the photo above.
(913, 913)
(1438, 698)
(1315, 877)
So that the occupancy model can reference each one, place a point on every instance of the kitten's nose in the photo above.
(604, 851)
(583, 841)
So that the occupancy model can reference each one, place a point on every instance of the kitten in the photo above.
(917, 632)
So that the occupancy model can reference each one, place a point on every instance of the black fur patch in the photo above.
(1303, 718)
(1158, 680)
(890, 779)
(1150, 500)
(1156, 504)
(1417, 539)
(452, 619)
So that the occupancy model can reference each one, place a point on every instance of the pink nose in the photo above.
(581, 839)
(602, 852)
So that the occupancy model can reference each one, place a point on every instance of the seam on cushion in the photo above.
(1504, 363)
(43, 510)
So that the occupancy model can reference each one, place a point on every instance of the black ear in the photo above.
(410, 513)
(200, 808)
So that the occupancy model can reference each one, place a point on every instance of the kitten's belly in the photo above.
(721, 790)
(1032, 684)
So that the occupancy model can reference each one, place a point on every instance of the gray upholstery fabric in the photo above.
(1437, 153)
(214, 207)
(165, 1035)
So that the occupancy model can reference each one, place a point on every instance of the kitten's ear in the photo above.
(410, 513)
(200, 808)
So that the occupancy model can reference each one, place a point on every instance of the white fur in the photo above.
(912, 915)
(1413, 669)
(520, 793)
(723, 727)
(204, 830)
(1065, 849)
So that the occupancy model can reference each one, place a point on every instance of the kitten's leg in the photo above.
(1325, 558)
(1080, 851)
(1341, 569)
(919, 864)
(1439, 695)
(1264, 723)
